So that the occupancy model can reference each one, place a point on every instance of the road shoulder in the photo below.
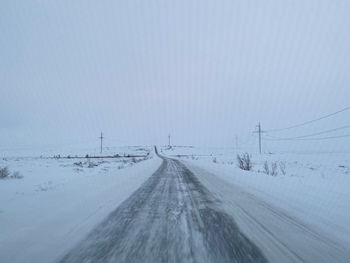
(282, 238)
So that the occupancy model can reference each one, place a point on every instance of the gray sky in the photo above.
(202, 70)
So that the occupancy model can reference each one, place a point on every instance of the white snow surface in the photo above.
(57, 202)
(315, 188)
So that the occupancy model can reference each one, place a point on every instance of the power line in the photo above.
(311, 121)
(313, 134)
(310, 139)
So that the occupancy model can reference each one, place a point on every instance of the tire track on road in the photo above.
(172, 217)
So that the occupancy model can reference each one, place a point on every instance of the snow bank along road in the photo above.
(176, 216)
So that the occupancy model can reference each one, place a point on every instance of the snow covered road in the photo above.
(170, 218)
(183, 213)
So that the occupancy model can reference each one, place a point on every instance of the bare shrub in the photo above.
(16, 175)
(266, 168)
(4, 172)
(274, 170)
(91, 164)
(80, 164)
(214, 160)
(240, 162)
(282, 166)
(244, 162)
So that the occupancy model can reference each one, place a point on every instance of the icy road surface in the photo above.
(170, 218)
(182, 213)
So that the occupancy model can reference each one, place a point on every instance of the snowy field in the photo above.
(58, 201)
(313, 187)
(72, 151)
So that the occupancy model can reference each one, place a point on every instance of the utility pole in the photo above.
(101, 138)
(169, 136)
(259, 131)
(259, 127)
(236, 142)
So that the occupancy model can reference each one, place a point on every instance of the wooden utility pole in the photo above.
(259, 131)
(169, 136)
(101, 138)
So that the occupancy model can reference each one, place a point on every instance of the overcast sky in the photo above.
(136, 70)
